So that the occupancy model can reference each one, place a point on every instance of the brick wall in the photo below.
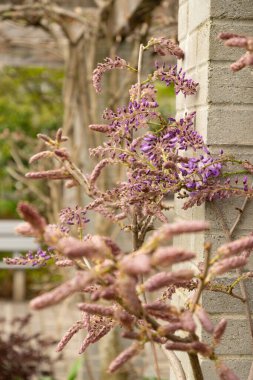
(224, 106)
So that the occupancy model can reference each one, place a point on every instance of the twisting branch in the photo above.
(202, 280)
(175, 364)
(228, 233)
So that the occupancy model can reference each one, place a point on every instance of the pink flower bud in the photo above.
(170, 255)
(225, 373)
(205, 320)
(164, 46)
(135, 265)
(56, 295)
(91, 308)
(98, 169)
(26, 229)
(126, 286)
(64, 263)
(236, 246)
(59, 137)
(187, 321)
(125, 355)
(124, 318)
(196, 346)
(169, 328)
(163, 279)
(31, 215)
(239, 64)
(41, 155)
(45, 138)
(162, 310)
(167, 231)
(107, 293)
(226, 265)
(103, 128)
(184, 227)
(74, 248)
(49, 174)
(94, 336)
(237, 42)
(114, 248)
(226, 36)
(69, 334)
(62, 153)
(117, 63)
(219, 330)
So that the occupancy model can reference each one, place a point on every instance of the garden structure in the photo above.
(224, 117)
(222, 101)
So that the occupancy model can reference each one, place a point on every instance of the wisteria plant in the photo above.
(161, 156)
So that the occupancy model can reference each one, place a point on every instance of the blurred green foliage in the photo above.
(75, 369)
(30, 99)
(166, 99)
(30, 102)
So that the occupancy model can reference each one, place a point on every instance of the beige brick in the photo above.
(203, 45)
(199, 11)
(224, 118)
(234, 9)
(230, 125)
(202, 120)
(217, 49)
(191, 50)
(217, 303)
(240, 366)
(236, 339)
(225, 86)
(182, 2)
(230, 209)
(200, 75)
(183, 16)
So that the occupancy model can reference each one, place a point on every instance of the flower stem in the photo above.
(229, 233)
(196, 368)
(139, 71)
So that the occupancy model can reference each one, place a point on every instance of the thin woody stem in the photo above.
(136, 227)
(139, 72)
(227, 291)
(228, 234)
(201, 284)
(175, 364)
(136, 243)
(239, 216)
(196, 368)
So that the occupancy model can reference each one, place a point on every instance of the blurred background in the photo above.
(48, 51)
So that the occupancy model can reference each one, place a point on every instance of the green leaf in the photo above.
(75, 370)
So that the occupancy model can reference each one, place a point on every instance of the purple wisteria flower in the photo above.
(177, 77)
(38, 258)
(73, 216)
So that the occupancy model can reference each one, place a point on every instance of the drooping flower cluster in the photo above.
(38, 258)
(73, 217)
(177, 77)
(110, 64)
(114, 278)
(163, 46)
(161, 156)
